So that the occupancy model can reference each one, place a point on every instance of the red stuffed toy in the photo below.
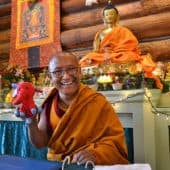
(23, 95)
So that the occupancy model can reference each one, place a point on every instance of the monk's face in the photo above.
(110, 16)
(65, 74)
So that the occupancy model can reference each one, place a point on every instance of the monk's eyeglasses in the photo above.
(69, 70)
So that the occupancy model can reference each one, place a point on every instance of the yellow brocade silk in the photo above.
(90, 123)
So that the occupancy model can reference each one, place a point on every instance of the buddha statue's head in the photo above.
(110, 14)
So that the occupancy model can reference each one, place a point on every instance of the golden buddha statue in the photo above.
(114, 43)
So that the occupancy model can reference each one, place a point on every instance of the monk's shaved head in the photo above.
(63, 57)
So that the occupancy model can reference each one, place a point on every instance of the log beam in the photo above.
(139, 8)
(150, 26)
(4, 2)
(4, 52)
(5, 9)
(5, 36)
(5, 22)
(4, 48)
(72, 6)
(81, 19)
(155, 3)
(159, 49)
(4, 58)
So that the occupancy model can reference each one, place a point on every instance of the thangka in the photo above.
(35, 23)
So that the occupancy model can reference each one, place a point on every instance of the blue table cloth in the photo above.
(16, 163)
(14, 138)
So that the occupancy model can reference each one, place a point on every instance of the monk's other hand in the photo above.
(83, 156)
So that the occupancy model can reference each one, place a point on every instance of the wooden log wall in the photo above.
(5, 17)
(148, 20)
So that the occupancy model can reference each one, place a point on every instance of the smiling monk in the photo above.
(77, 121)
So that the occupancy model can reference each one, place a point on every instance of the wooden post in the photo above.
(5, 36)
(5, 9)
(5, 22)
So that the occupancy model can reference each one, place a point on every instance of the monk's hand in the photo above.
(83, 156)
(21, 114)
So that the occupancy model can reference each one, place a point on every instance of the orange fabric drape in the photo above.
(148, 66)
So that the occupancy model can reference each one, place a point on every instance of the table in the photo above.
(14, 139)
(17, 163)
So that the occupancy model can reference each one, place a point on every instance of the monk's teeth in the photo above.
(67, 83)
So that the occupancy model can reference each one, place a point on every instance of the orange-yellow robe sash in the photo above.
(89, 123)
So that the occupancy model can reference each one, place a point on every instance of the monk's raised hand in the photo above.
(21, 114)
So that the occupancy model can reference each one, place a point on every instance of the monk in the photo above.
(77, 121)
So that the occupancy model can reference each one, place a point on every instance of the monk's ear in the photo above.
(80, 73)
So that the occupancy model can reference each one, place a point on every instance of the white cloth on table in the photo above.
(125, 167)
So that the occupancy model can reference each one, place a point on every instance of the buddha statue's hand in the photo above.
(96, 50)
(107, 49)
